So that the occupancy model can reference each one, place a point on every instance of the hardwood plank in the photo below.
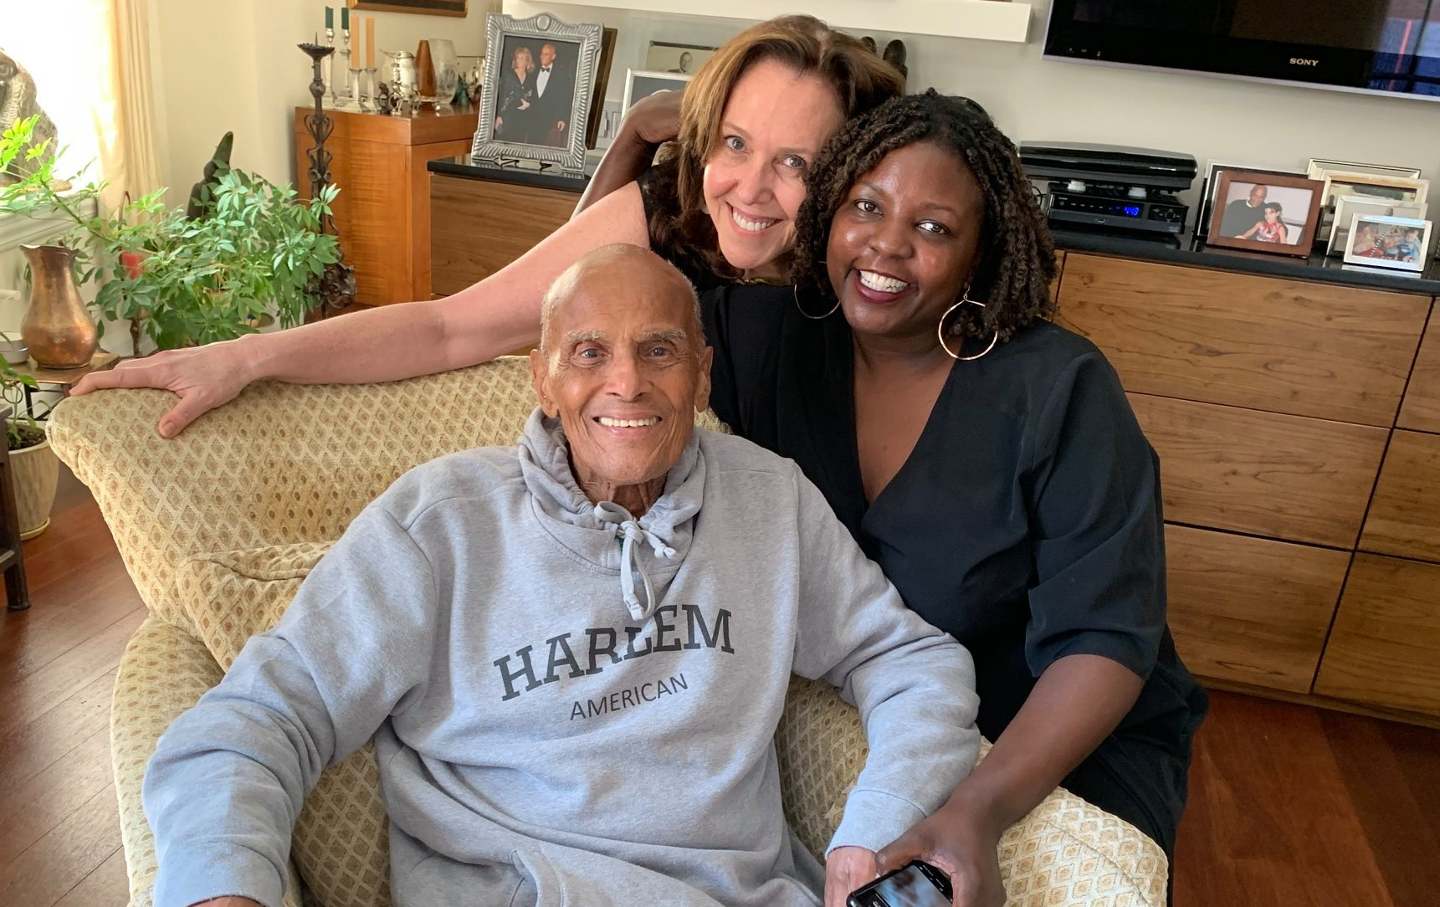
(1287, 477)
(106, 886)
(1385, 646)
(1404, 518)
(1250, 610)
(1403, 836)
(1284, 346)
(1269, 820)
(30, 749)
(66, 619)
(45, 872)
(1421, 409)
(469, 242)
(31, 810)
(67, 674)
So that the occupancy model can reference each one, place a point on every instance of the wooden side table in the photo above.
(63, 378)
(383, 210)
(12, 559)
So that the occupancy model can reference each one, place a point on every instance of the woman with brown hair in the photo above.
(755, 117)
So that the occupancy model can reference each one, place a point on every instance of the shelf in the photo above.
(986, 20)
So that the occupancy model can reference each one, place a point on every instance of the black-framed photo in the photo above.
(1265, 212)
(1398, 243)
(681, 59)
(539, 79)
(642, 83)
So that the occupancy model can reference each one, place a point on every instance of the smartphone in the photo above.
(916, 885)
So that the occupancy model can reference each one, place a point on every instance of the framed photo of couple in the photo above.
(540, 78)
(1265, 212)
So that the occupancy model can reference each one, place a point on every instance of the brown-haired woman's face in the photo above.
(904, 242)
(774, 124)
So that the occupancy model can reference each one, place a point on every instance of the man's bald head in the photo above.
(626, 269)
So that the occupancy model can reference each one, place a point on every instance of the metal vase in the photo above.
(56, 327)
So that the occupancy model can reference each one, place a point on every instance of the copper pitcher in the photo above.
(56, 327)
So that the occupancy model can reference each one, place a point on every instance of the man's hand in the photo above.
(559, 125)
(229, 900)
(846, 869)
(962, 843)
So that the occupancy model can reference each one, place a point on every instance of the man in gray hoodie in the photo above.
(572, 655)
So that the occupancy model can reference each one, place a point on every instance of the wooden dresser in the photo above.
(1297, 417)
(1299, 442)
(383, 211)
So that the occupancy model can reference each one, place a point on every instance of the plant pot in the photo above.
(37, 471)
(14, 352)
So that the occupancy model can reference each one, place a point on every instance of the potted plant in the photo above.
(247, 249)
(34, 466)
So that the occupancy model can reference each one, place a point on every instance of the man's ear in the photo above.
(702, 383)
(539, 379)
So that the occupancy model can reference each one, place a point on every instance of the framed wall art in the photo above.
(432, 7)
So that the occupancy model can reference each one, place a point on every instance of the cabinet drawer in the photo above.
(1385, 648)
(1265, 343)
(479, 227)
(1405, 517)
(1305, 480)
(1250, 610)
(1421, 409)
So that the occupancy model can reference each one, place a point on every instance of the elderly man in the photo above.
(572, 655)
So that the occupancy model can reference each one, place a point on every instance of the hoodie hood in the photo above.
(644, 552)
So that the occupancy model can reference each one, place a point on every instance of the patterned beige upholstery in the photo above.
(218, 528)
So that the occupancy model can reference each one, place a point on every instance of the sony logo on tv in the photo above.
(1303, 61)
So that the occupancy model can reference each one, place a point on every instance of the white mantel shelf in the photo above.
(987, 20)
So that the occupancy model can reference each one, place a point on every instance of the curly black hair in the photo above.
(1017, 255)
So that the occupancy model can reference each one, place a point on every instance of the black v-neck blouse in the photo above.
(1026, 521)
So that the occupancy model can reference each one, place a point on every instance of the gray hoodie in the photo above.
(569, 706)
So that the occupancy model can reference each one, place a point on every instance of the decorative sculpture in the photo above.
(17, 101)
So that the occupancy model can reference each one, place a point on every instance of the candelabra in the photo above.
(337, 285)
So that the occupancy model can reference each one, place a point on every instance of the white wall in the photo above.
(1227, 120)
(233, 65)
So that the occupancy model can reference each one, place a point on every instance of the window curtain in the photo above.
(90, 60)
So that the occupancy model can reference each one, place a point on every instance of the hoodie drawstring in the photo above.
(627, 530)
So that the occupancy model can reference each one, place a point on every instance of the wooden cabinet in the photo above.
(1288, 477)
(1282, 346)
(1248, 610)
(1385, 648)
(1405, 515)
(483, 225)
(1421, 410)
(383, 211)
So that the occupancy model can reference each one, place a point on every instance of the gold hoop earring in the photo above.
(801, 309)
(940, 330)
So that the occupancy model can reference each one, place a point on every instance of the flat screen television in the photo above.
(1384, 46)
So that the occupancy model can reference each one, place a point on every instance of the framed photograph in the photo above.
(642, 83)
(1398, 189)
(602, 83)
(1265, 212)
(681, 59)
(1347, 206)
(1388, 242)
(539, 81)
(1318, 168)
(1212, 184)
(433, 7)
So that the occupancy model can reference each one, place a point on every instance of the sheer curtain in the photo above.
(90, 60)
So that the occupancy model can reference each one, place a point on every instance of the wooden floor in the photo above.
(1288, 805)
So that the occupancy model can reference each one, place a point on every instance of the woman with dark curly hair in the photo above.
(985, 457)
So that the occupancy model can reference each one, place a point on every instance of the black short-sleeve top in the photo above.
(1026, 521)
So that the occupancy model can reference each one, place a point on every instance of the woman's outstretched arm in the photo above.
(497, 315)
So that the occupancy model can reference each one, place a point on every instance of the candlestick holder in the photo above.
(340, 72)
(337, 284)
(362, 96)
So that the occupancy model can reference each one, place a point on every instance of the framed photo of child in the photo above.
(1265, 212)
(1377, 241)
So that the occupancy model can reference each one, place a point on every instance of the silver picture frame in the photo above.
(487, 148)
